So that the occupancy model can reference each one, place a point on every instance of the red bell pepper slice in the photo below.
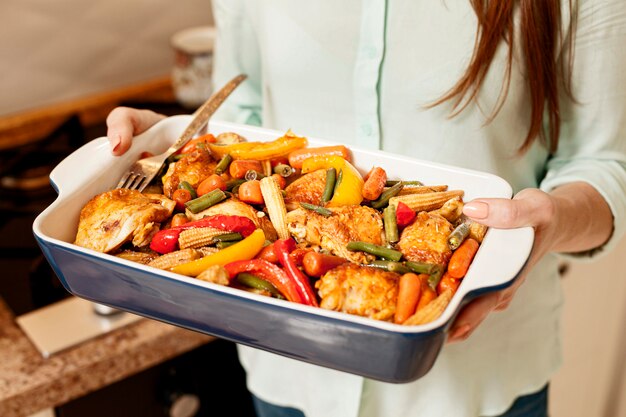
(283, 247)
(166, 241)
(269, 272)
(404, 215)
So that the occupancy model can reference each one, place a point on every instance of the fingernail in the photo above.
(115, 142)
(476, 209)
(460, 332)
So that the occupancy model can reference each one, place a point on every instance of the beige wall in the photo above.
(592, 381)
(58, 50)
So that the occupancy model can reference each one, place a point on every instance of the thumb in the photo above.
(530, 207)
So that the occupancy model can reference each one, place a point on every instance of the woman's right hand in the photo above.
(124, 122)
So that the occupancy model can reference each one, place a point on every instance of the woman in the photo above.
(536, 95)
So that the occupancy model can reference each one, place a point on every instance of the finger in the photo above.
(471, 316)
(530, 207)
(123, 123)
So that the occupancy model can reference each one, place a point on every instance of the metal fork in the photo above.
(144, 170)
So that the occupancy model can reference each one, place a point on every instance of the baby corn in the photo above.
(198, 237)
(140, 257)
(430, 311)
(477, 231)
(178, 257)
(423, 189)
(426, 201)
(275, 206)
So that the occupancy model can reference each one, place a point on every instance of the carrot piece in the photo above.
(448, 282)
(409, 292)
(239, 167)
(428, 294)
(462, 258)
(191, 145)
(250, 192)
(317, 264)
(211, 183)
(297, 157)
(374, 183)
(280, 180)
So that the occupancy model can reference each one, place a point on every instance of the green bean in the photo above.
(222, 166)
(186, 186)
(435, 277)
(391, 183)
(318, 209)
(222, 245)
(228, 237)
(283, 170)
(331, 178)
(383, 200)
(338, 181)
(253, 175)
(421, 267)
(252, 281)
(390, 266)
(380, 251)
(458, 235)
(204, 202)
(391, 225)
(230, 185)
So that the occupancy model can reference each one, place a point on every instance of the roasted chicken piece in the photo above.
(115, 217)
(426, 239)
(307, 189)
(333, 233)
(193, 168)
(361, 290)
(234, 207)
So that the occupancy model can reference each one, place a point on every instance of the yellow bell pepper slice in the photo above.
(260, 150)
(240, 251)
(349, 190)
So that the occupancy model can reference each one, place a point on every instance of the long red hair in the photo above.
(541, 35)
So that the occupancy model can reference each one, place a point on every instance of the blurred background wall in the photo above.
(54, 51)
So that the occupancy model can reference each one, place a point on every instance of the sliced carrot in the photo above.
(317, 264)
(374, 183)
(428, 294)
(297, 157)
(409, 292)
(448, 282)
(462, 258)
(250, 192)
(239, 167)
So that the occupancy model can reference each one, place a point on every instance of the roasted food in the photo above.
(426, 239)
(308, 188)
(193, 168)
(234, 207)
(333, 233)
(361, 290)
(115, 217)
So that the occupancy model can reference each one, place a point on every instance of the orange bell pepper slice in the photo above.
(260, 150)
(349, 190)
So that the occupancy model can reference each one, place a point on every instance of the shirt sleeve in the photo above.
(592, 146)
(237, 52)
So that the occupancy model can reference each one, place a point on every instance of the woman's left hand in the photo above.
(572, 212)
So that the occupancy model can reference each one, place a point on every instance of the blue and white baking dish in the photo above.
(374, 349)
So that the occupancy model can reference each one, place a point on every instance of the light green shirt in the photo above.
(362, 72)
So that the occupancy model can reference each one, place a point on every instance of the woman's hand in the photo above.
(124, 122)
(572, 218)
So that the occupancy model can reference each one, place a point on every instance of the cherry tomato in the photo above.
(250, 192)
(181, 196)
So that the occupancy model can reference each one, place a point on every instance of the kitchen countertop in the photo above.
(29, 383)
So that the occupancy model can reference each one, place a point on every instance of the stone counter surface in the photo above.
(29, 383)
